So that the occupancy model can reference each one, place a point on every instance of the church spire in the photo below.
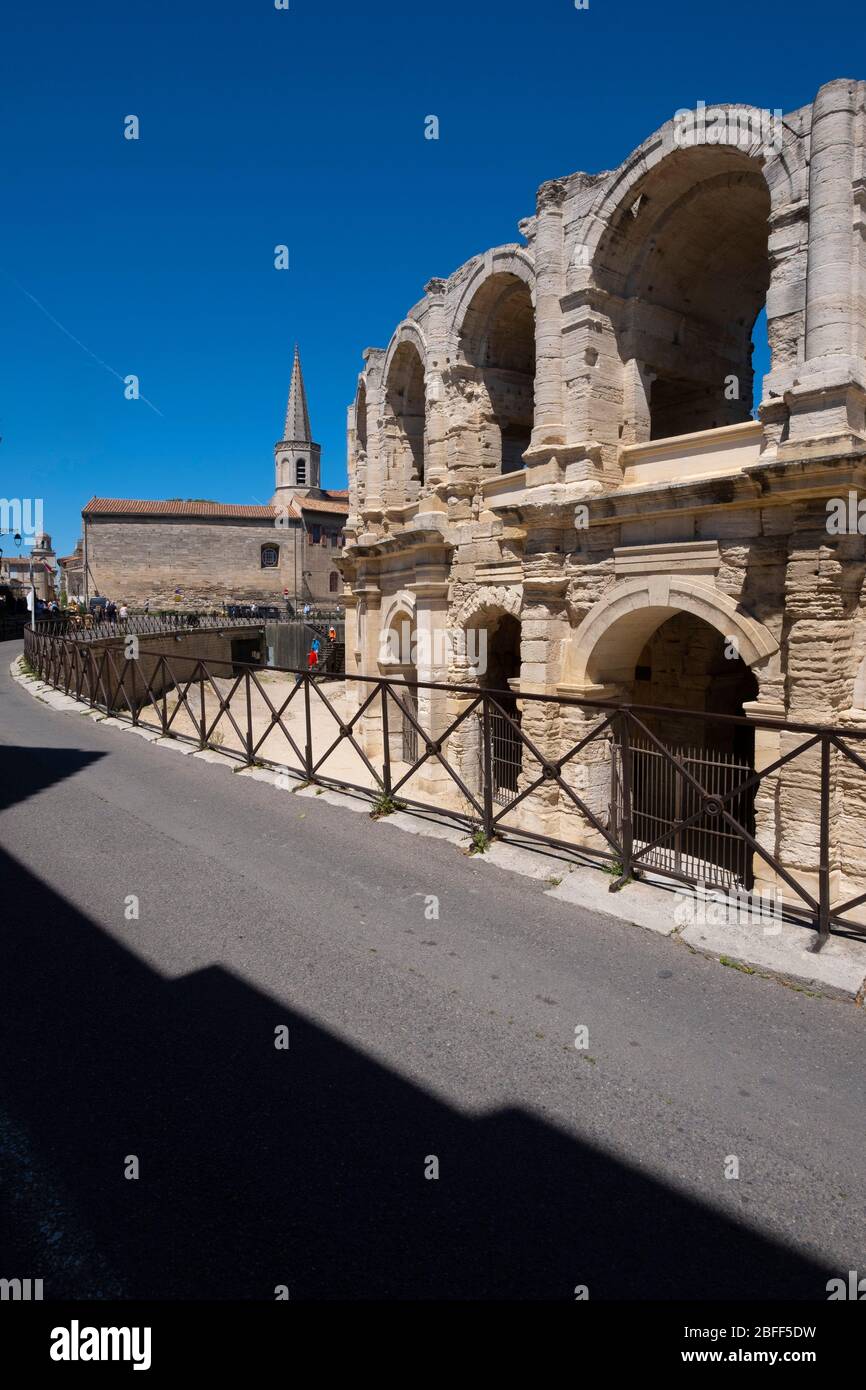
(297, 414)
(297, 460)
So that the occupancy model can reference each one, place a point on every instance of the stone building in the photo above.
(36, 567)
(556, 450)
(72, 572)
(200, 553)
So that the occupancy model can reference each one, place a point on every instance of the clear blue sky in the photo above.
(306, 127)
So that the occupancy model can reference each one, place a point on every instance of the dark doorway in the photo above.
(503, 665)
(686, 669)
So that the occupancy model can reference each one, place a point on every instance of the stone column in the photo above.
(371, 509)
(436, 431)
(829, 280)
(828, 396)
(432, 663)
(369, 598)
(548, 426)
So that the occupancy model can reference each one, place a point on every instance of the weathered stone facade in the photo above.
(211, 553)
(559, 435)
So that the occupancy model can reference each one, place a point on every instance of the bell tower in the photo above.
(297, 460)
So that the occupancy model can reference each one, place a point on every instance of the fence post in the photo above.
(202, 742)
(487, 767)
(386, 740)
(308, 746)
(249, 717)
(824, 851)
(626, 784)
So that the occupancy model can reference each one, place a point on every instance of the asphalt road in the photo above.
(409, 1038)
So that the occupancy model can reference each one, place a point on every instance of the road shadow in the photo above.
(24, 772)
(302, 1167)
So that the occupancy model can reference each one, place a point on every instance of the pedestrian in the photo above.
(124, 612)
(332, 633)
(313, 657)
(111, 610)
(146, 606)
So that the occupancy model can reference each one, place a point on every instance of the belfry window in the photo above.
(300, 470)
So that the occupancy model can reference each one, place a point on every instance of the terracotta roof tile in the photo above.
(335, 501)
(131, 506)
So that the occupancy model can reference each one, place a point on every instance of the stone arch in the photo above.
(676, 244)
(488, 603)
(404, 411)
(785, 171)
(406, 332)
(401, 606)
(502, 260)
(493, 348)
(605, 647)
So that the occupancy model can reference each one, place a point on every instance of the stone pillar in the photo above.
(827, 398)
(548, 426)
(369, 598)
(436, 428)
(371, 510)
(588, 773)
(432, 663)
(829, 281)
(637, 388)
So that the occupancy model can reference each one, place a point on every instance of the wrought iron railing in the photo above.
(457, 734)
(88, 627)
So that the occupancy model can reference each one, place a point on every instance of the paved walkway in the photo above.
(411, 1036)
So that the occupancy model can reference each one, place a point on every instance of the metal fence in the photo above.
(506, 753)
(705, 847)
(703, 817)
(89, 627)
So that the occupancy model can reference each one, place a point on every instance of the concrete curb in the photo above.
(838, 971)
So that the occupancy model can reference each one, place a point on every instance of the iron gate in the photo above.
(409, 700)
(506, 753)
(707, 847)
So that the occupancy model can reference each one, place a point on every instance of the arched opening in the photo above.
(688, 262)
(687, 665)
(687, 668)
(498, 338)
(404, 423)
(397, 659)
(498, 666)
(361, 418)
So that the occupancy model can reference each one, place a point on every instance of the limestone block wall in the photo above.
(625, 315)
(209, 562)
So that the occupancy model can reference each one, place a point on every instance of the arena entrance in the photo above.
(688, 669)
(503, 666)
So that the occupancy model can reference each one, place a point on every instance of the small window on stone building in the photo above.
(300, 470)
(333, 581)
(315, 535)
(270, 557)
